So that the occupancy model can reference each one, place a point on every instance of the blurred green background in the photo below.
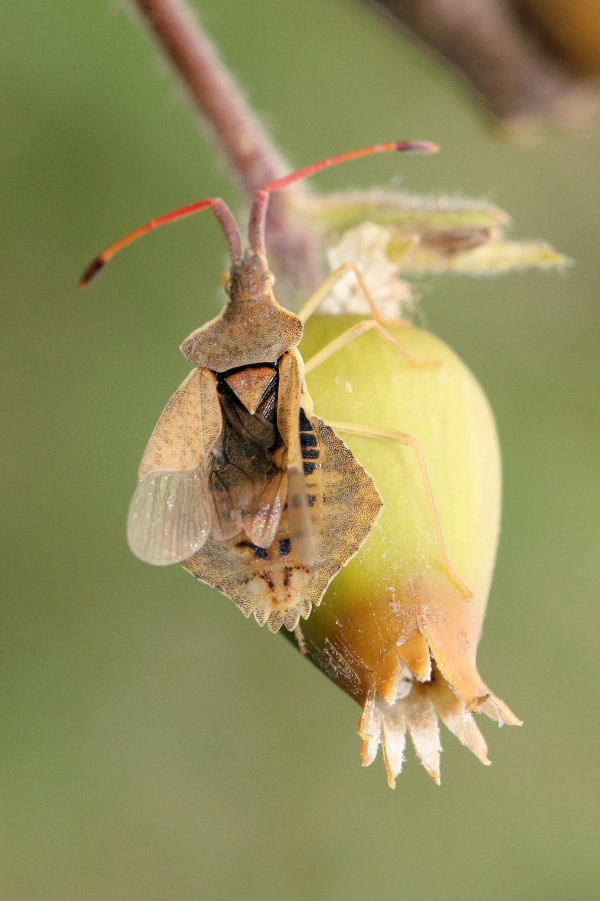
(156, 745)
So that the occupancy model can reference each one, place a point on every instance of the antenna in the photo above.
(258, 212)
(219, 208)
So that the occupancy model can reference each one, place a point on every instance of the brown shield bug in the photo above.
(240, 482)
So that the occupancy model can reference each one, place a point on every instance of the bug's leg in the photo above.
(316, 299)
(355, 331)
(410, 441)
(300, 640)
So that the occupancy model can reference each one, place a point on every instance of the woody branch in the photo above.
(234, 127)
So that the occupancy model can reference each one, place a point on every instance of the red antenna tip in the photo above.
(91, 271)
(417, 147)
(220, 210)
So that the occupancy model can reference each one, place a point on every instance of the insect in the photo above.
(240, 482)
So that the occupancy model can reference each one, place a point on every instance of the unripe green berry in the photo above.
(396, 628)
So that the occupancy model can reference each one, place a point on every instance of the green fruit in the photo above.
(396, 629)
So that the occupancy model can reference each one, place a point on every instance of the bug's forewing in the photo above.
(225, 515)
(244, 475)
(187, 428)
(261, 524)
(288, 414)
(169, 516)
(272, 583)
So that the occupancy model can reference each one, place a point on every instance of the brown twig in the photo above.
(236, 131)
(507, 63)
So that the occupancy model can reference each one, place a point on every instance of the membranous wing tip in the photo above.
(169, 516)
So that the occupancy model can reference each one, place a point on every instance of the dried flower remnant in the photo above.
(394, 630)
(424, 235)
(367, 245)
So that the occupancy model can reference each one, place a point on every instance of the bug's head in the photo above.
(249, 277)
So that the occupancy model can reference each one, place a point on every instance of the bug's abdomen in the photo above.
(309, 444)
(271, 582)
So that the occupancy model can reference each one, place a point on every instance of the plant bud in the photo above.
(427, 234)
(396, 629)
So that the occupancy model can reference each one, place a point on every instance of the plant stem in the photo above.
(236, 130)
(505, 59)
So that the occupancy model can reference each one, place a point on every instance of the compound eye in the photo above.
(225, 279)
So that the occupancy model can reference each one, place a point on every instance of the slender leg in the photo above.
(316, 299)
(355, 331)
(300, 640)
(410, 441)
